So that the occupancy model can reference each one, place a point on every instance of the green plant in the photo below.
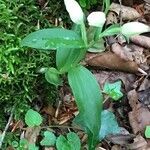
(71, 143)
(87, 3)
(33, 118)
(113, 90)
(71, 47)
(20, 81)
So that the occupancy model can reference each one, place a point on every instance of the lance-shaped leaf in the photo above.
(67, 58)
(89, 101)
(112, 30)
(50, 39)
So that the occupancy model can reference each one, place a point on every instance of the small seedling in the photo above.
(49, 139)
(113, 90)
(33, 118)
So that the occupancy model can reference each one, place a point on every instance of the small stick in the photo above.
(120, 13)
(6, 128)
(57, 110)
(142, 71)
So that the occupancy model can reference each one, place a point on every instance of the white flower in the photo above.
(134, 28)
(96, 19)
(75, 11)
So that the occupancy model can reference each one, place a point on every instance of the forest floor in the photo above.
(130, 65)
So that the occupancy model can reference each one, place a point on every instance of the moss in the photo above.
(20, 82)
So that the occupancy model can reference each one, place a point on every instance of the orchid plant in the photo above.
(71, 47)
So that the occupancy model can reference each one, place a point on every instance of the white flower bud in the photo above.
(96, 19)
(134, 28)
(75, 11)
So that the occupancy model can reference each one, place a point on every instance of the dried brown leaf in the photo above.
(139, 144)
(144, 85)
(136, 52)
(49, 110)
(141, 40)
(119, 51)
(121, 139)
(112, 18)
(32, 134)
(139, 117)
(128, 13)
(109, 60)
(116, 147)
(144, 97)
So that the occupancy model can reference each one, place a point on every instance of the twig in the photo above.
(142, 71)
(105, 99)
(120, 13)
(6, 128)
(57, 126)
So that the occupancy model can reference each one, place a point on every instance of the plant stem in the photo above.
(83, 32)
(6, 128)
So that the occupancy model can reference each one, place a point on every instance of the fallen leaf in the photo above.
(112, 18)
(119, 51)
(139, 117)
(144, 85)
(121, 139)
(139, 144)
(109, 60)
(137, 53)
(144, 97)
(127, 13)
(49, 110)
(116, 147)
(141, 40)
(32, 133)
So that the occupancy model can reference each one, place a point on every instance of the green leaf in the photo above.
(50, 39)
(113, 90)
(33, 118)
(71, 143)
(89, 101)
(147, 132)
(32, 147)
(76, 28)
(82, 3)
(62, 143)
(23, 143)
(52, 76)
(98, 46)
(109, 124)
(49, 139)
(74, 141)
(106, 5)
(15, 144)
(67, 58)
(112, 30)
